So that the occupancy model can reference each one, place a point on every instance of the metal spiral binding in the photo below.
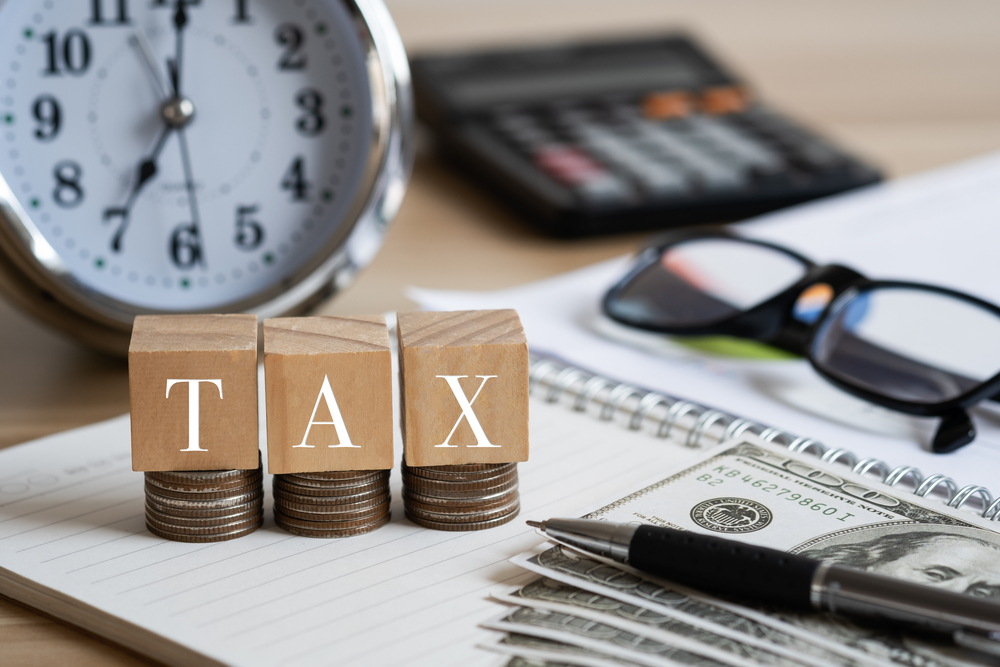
(665, 415)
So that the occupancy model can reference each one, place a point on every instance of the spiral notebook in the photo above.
(698, 426)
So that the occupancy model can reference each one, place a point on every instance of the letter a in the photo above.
(326, 391)
(194, 412)
(467, 413)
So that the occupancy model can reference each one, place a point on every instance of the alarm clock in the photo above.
(162, 156)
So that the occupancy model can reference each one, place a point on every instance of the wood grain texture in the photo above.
(352, 354)
(483, 354)
(166, 352)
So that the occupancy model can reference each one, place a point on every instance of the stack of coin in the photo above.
(332, 504)
(473, 496)
(204, 505)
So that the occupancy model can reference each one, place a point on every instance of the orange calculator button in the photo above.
(724, 99)
(661, 106)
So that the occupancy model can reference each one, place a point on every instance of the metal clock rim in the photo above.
(36, 279)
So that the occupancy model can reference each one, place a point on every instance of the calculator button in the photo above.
(714, 173)
(656, 177)
(730, 140)
(723, 99)
(663, 106)
(575, 168)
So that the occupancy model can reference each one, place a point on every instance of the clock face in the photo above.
(184, 154)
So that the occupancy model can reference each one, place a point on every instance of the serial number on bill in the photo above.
(776, 490)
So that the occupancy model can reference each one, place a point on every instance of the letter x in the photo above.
(467, 413)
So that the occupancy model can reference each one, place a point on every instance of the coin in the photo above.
(208, 487)
(329, 500)
(487, 502)
(289, 486)
(352, 515)
(215, 504)
(465, 516)
(460, 493)
(203, 513)
(474, 525)
(432, 472)
(312, 508)
(308, 524)
(466, 467)
(305, 532)
(204, 495)
(219, 537)
(205, 476)
(204, 530)
(194, 522)
(339, 476)
(477, 485)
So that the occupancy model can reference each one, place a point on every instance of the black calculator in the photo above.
(609, 137)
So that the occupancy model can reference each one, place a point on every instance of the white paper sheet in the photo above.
(940, 227)
(71, 519)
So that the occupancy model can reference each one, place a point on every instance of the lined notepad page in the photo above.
(71, 519)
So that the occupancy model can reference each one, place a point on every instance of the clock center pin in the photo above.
(177, 112)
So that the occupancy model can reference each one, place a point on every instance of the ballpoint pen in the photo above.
(769, 576)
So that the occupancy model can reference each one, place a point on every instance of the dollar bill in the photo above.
(598, 637)
(697, 637)
(538, 650)
(769, 496)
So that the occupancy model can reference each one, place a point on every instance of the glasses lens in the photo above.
(704, 281)
(909, 344)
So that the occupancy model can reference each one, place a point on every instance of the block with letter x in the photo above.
(193, 392)
(328, 383)
(464, 387)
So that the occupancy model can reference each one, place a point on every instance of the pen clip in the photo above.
(978, 641)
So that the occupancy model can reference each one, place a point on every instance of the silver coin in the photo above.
(345, 477)
(472, 525)
(205, 476)
(345, 501)
(349, 532)
(218, 537)
(215, 504)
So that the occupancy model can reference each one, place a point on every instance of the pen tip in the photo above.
(536, 524)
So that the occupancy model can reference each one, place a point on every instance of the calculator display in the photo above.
(611, 137)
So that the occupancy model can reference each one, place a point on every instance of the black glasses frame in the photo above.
(772, 322)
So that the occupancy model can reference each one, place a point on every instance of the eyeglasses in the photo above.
(915, 348)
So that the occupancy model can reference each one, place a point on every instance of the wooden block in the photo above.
(464, 387)
(328, 386)
(193, 392)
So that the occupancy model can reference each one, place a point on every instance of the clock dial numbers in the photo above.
(185, 246)
(68, 192)
(291, 37)
(249, 233)
(118, 14)
(295, 180)
(242, 14)
(71, 54)
(312, 122)
(48, 113)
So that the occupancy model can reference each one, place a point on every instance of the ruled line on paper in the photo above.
(69, 518)
(204, 565)
(92, 546)
(143, 567)
(124, 555)
(81, 482)
(438, 603)
(81, 532)
(288, 574)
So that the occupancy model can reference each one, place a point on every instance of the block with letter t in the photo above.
(193, 392)
(464, 387)
(328, 383)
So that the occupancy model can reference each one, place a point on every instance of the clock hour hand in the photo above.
(174, 64)
(144, 173)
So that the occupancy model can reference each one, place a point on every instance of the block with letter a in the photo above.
(464, 387)
(328, 383)
(193, 392)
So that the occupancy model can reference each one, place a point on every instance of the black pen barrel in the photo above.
(717, 565)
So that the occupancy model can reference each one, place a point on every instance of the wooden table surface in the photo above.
(909, 84)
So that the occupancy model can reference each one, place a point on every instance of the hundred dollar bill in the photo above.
(537, 650)
(698, 637)
(598, 637)
(772, 497)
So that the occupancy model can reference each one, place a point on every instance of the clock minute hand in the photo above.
(141, 44)
(144, 173)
